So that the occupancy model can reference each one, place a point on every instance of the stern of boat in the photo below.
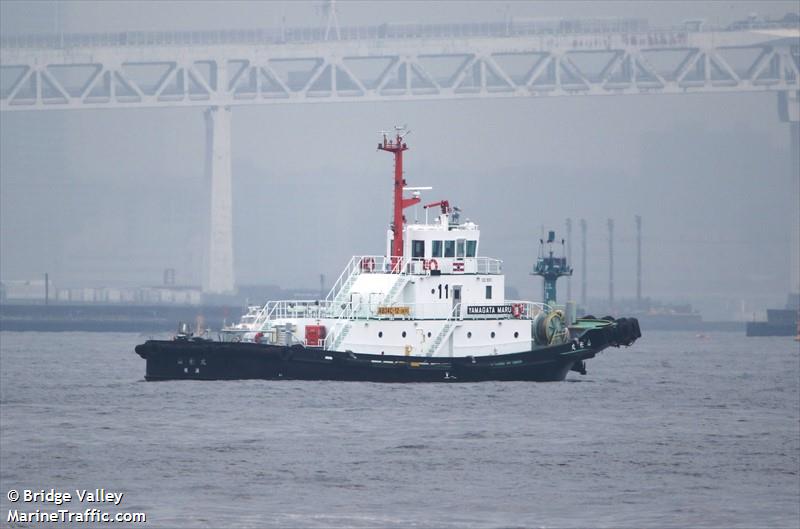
(596, 334)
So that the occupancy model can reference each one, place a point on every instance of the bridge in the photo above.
(218, 70)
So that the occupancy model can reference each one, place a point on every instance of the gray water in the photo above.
(677, 431)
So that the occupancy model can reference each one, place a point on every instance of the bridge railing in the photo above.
(509, 28)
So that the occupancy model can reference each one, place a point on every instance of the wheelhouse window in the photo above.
(449, 248)
(471, 247)
(488, 291)
(437, 249)
(460, 247)
(417, 249)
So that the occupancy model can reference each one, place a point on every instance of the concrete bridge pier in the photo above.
(789, 112)
(218, 273)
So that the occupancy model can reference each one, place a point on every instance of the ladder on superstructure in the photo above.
(447, 329)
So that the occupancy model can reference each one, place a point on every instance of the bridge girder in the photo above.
(346, 71)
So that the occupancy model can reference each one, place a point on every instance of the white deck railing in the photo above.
(530, 309)
(293, 309)
(365, 264)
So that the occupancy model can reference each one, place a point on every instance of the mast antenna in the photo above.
(397, 146)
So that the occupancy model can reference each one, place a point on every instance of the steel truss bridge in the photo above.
(218, 70)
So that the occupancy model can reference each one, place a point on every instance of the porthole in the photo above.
(433, 291)
(516, 334)
(404, 334)
(380, 334)
(429, 334)
(492, 334)
(469, 334)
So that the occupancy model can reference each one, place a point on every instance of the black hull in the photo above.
(205, 360)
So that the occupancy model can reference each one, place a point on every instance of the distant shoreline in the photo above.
(112, 318)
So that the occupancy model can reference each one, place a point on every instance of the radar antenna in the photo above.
(402, 131)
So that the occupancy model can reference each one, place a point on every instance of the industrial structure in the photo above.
(611, 264)
(219, 70)
(569, 258)
(638, 220)
(583, 263)
(550, 267)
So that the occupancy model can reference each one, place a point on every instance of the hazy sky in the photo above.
(108, 197)
(97, 16)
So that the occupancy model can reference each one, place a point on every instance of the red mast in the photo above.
(400, 203)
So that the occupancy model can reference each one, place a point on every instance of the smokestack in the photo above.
(638, 219)
(611, 264)
(583, 263)
(569, 258)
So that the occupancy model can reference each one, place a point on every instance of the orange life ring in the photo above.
(368, 264)
(432, 264)
(516, 310)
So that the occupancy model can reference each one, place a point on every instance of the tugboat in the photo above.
(431, 309)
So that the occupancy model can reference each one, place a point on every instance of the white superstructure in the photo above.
(443, 299)
(431, 294)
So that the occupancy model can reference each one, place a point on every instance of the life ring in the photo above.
(257, 337)
(368, 264)
(431, 264)
(516, 310)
